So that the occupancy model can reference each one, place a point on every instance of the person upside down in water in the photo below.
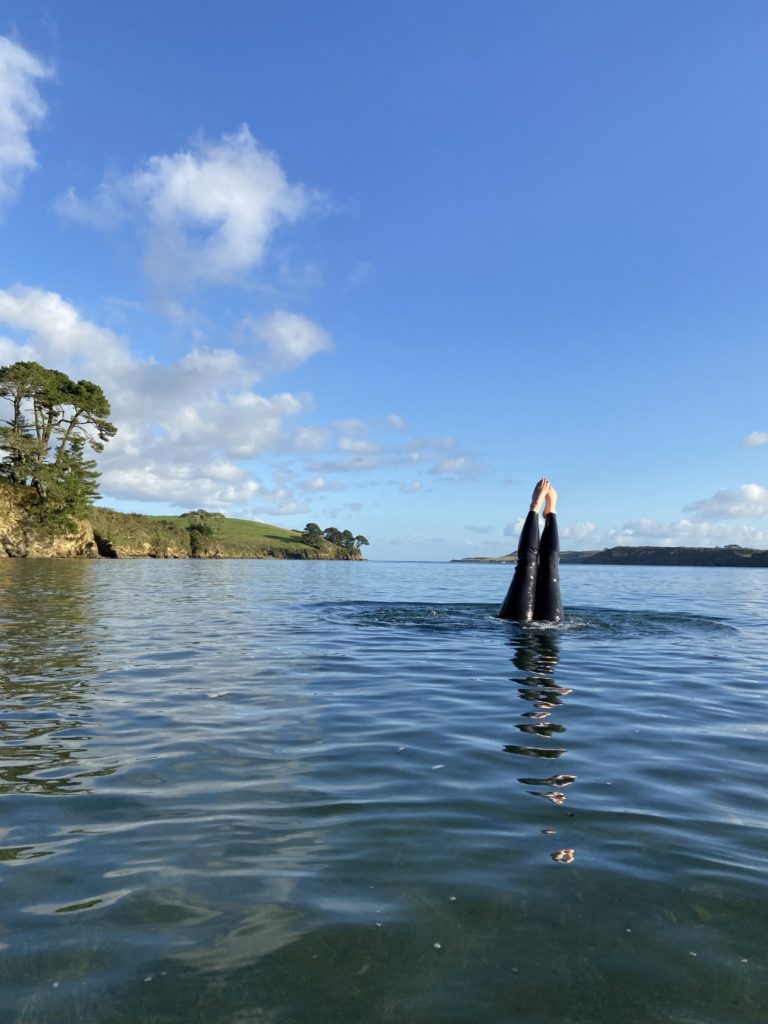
(534, 593)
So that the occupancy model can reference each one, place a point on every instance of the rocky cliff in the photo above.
(22, 538)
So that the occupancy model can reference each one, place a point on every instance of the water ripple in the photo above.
(229, 795)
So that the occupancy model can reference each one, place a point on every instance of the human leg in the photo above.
(548, 605)
(519, 601)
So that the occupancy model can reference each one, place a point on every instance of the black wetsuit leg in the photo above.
(518, 604)
(548, 606)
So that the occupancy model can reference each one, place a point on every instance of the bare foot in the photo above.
(551, 501)
(539, 493)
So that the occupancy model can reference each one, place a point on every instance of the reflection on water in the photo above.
(536, 657)
(47, 657)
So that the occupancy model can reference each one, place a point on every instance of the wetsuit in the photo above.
(534, 593)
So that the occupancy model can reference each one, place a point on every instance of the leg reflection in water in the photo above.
(536, 657)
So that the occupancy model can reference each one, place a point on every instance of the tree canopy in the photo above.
(314, 536)
(43, 440)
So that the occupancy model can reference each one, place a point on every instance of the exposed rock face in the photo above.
(108, 548)
(20, 539)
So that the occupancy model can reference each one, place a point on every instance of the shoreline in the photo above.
(731, 556)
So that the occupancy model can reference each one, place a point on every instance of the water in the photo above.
(297, 793)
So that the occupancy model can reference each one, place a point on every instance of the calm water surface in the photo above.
(291, 793)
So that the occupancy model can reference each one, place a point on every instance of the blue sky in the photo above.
(381, 266)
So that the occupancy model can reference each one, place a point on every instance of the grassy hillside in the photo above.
(121, 534)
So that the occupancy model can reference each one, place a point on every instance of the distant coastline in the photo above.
(730, 556)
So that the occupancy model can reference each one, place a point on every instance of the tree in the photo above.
(360, 540)
(201, 530)
(347, 539)
(332, 535)
(52, 419)
(200, 534)
(202, 513)
(312, 535)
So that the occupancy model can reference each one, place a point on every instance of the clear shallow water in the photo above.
(306, 792)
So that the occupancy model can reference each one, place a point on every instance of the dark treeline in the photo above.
(731, 555)
(315, 537)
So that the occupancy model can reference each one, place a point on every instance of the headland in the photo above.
(731, 556)
(106, 533)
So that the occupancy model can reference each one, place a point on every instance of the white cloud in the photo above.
(481, 530)
(21, 110)
(426, 444)
(277, 504)
(578, 531)
(212, 362)
(54, 325)
(745, 502)
(224, 470)
(182, 428)
(361, 455)
(319, 483)
(178, 484)
(513, 529)
(354, 444)
(310, 439)
(289, 337)
(352, 464)
(11, 352)
(351, 426)
(207, 214)
(413, 488)
(755, 439)
(458, 466)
